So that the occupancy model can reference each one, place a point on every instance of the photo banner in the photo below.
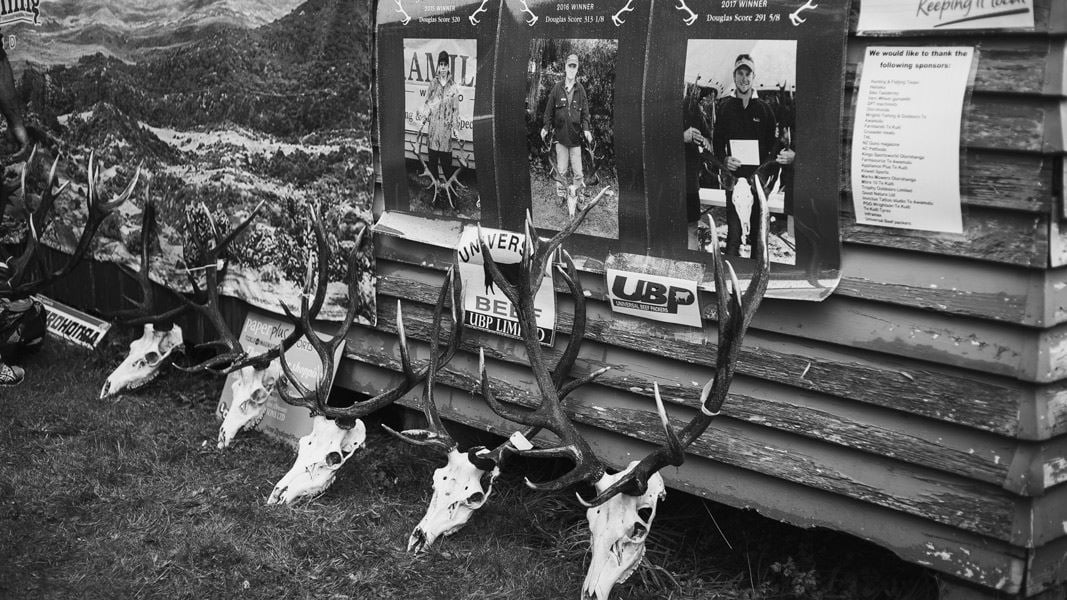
(234, 109)
(435, 110)
(738, 99)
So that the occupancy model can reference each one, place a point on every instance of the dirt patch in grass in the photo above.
(129, 498)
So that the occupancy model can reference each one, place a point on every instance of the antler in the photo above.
(233, 355)
(435, 435)
(735, 312)
(17, 284)
(146, 310)
(315, 399)
(549, 414)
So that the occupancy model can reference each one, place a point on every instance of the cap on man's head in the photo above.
(442, 58)
(572, 60)
(744, 60)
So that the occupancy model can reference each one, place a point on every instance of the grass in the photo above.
(130, 499)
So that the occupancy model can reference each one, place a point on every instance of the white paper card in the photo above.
(918, 15)
(905, 145)
(746, 151)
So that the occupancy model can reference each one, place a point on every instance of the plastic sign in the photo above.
(72, 324)
(485, 306)
(282, 421)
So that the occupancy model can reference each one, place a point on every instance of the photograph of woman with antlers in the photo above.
(570, 132)
(739, 134)
(440, 77)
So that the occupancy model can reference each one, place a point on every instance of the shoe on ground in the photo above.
(11, 375)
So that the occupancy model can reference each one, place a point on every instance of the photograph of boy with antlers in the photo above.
(740, 139)
(570, 132)
(439, 78)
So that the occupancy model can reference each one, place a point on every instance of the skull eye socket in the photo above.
(639, 531)
(259, 396)
(644, 514)
(333, 458)
(476, 498)
(152, 358)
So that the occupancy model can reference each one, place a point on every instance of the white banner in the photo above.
(917, 15)
(486, 308)
(420, 65)
(906, 140)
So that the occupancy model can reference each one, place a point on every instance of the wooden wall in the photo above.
(923, 406)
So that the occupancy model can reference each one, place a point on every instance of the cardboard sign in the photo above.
(635, 288)
(485, 306)
(282, 421)
(905, 148)
(72, 324)
(921, 15)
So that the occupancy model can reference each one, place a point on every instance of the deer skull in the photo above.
(251, 390)
(619, 528)
(743, 201)
(320, 455)
(457, 493)
(148, 355)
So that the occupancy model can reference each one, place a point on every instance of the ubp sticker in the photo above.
(484, 304)
(665, 299)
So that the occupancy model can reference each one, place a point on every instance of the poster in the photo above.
(739, 95)
(225, 106)
(281, 421)
(905, 149)
(435, 66)
(933, 15)
(485, 306)
(569, 112)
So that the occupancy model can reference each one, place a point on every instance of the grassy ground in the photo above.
(130, 499)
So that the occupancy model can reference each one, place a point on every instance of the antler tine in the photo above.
(435, 434)
(735, 313)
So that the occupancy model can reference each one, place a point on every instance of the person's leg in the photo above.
(445, 160)
(433, 161)
(563, 162)
(576, 167)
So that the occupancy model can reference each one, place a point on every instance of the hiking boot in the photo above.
(11, 375)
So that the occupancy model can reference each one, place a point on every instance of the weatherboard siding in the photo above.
(923, 406)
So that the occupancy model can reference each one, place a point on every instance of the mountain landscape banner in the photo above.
(224, 104)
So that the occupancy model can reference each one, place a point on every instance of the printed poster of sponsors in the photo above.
(485, 306)
(435, 67)
(738, 95)
(282, 421)
(568, 95)
(934, 15)
(905, 149)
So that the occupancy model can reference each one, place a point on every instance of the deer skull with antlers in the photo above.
(623, 508)
(150, 353)
(338, 431)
